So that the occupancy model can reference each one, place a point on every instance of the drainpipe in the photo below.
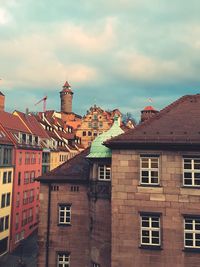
(48, 226)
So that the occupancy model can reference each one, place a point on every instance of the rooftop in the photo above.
(178, 123)
(74, 170)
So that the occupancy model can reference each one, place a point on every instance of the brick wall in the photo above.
(74, 238)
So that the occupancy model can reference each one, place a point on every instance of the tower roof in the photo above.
(149, 108)
(66, 84)
(98, 150)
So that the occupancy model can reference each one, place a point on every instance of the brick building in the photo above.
(75, 217)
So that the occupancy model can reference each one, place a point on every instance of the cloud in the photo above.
(5, 16)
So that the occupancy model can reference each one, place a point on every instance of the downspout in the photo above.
(48, 226)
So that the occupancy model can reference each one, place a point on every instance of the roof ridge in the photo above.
(159, 115)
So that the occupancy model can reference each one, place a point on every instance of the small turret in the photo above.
(147, 113)
(66, 96)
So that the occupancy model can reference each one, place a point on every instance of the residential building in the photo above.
(28, 165)
(6, 185)
(155, 189)
(75, 214)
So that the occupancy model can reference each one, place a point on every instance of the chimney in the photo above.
(2, 101)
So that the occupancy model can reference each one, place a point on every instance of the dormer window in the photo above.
(30, 139)
(24, 138)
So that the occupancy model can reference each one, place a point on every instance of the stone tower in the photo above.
(66, 96)
(2, 101)
(147, 113)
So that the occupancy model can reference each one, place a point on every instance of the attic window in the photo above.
(74, 188)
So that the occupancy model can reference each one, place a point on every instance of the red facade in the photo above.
(25, 206)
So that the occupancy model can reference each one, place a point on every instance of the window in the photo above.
(17, 221)
(25, 197)
(149, 170)
(19, 178)
(63, 259)
(26, 177)
(5, 200)
(191, 173)
(4, 223)
(20, 158)
(7, 177)
(150, 230)
(7, 156)
(192, 232)
(94, 264)
(18, 199)
(32, 178)
(104, 172)
(84, 133)
(64, 214)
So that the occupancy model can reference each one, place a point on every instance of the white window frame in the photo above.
(63, 259)
(193, 232)
(149, 169)
(66, 209)
(150, 230)
(192, 171)
(102, 172)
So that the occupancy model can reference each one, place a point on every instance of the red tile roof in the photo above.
(178, 123)
(32, 123)
(149, 108)
(12, 122)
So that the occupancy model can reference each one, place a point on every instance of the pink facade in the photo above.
(25, 206)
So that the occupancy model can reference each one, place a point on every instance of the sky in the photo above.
(114, 53)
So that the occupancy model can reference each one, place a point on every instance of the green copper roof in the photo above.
(98, 150)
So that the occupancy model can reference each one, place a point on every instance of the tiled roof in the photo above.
(149, 108)
(178, 123)
(4, 137)
(33, 125)
(12, 122)
(75, 169)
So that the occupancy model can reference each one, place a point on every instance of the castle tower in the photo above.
(66, 96)
(2, 101)
(147, 113)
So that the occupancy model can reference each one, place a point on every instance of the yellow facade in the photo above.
(5, 188)
(57, 158)
(54, 160)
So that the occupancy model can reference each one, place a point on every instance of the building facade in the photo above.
(27, 166)
(155, 190)
(94, 123)
(6, 188)
(79, 193)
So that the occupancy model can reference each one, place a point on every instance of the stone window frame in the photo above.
(191, 221)
(63, 259)
(66, 208)
(150, 229)
(191, 171)
(102, 172)
(150, 169)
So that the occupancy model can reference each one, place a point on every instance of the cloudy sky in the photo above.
(115, 53)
